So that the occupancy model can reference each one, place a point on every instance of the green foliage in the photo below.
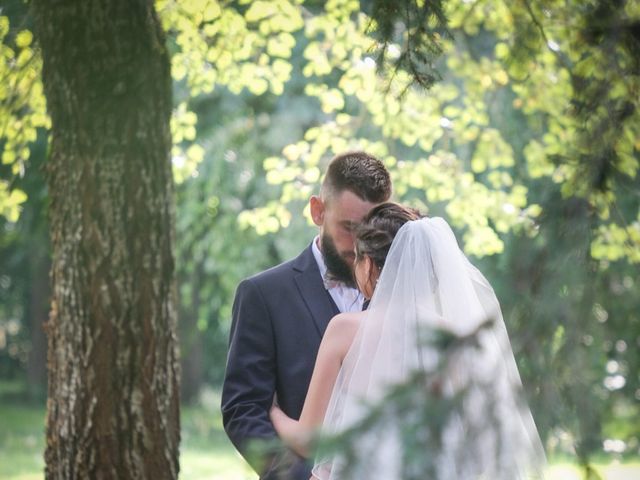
(439, 145)
(484, 189)
(613, 242)
(422, 25)
(10, 201)
(216, 246)
(587, 116)
(240, 48)
(537, 62)
(22, 109)
(530, 58)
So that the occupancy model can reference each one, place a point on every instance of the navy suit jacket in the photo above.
(279, 317)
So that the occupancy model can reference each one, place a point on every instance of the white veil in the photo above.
(428, 288)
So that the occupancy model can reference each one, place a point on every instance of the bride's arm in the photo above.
(333, 348)
(290, 431)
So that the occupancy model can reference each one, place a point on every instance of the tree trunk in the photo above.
(113, 401)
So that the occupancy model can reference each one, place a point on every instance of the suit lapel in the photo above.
(309, 283)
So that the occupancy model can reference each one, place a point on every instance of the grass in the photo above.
(205, 451)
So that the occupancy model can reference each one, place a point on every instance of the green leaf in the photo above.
(24, 38)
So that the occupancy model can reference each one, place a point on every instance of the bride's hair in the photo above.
(376, 232)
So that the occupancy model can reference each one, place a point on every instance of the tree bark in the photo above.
(113, 401)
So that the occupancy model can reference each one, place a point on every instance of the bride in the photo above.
(433, 323)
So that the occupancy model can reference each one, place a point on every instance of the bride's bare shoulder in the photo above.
(340, 333)
(346, 322)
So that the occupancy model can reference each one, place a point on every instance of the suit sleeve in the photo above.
(249, 384)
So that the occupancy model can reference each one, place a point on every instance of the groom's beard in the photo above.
(337, 267)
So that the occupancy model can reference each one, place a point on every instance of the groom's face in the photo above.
(338, 216)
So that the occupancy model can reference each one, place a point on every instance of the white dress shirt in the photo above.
(347, 299)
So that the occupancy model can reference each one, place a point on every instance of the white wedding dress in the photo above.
(478, 427)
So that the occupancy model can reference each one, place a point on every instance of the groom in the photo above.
(280, 315)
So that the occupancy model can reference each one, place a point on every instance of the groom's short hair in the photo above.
(360, 173)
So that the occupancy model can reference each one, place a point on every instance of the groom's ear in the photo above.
(316, 206)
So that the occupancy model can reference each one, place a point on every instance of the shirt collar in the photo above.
(329, 282)
(347, 299)
(318, 256)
